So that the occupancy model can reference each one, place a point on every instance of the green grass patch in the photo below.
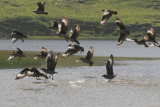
(29, 60)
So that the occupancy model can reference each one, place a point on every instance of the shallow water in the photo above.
(101, 47)
(137, 85)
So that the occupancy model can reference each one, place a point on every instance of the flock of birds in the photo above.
(62, 28)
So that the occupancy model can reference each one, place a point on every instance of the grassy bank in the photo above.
(28, 61)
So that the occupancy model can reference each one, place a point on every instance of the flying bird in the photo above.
(51, 64)
(109, 67)
(74, 34)
(151, 36)
(40, 8)
(72, 49)
(16, 53)
(141, 42)
(54, 25)
(88, 58)
(123, 31)
(17, 35)
(31, 73)
(106, 15)
(43, 54)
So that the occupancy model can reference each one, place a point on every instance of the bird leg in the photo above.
(52, 77)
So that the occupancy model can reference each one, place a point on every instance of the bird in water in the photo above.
(17, 35)
(63, 28)
(72, 49)
(40, 8)
(16, 53)
(151, 36)
(54, 25)
(43, 54)
(123, 31)
(109, 67)
(88, 58)
(106, 15)
(51, 64)
(31, 73)
(74, 34)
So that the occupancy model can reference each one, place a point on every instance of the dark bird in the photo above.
(141, 42)
(17, 35)
(72, 49)
(123, 31)
(43, 54)
(151, 36)
(88, 58)
(74, 34)
(51, 64)
(63, 28)
(54, 25)
(109, 67)
(106, 15)
(16, 53)
(40, 8)
(31, 73)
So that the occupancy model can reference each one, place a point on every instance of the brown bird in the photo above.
(17, 35)
(106, 15)
(51, 64)
(40, 8)
(141, 42)
(72, 49)
(109, 67)
(74, 34)
(88, 58)
(54, 25)
(43, 54)
(16, 53)
(123, 31)
(31, 73)
(151, 37)
(63, 28)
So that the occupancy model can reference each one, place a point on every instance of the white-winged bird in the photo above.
(43, 54)
(40, 8)
(63, 28)
(16, 53)
(109, 67)
(51, 64)
(74, 34)
(72, 49)
(106, 15)
(17, 35)
(88, 58)
(123, 31)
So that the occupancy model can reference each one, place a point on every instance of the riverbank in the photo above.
(29, 60)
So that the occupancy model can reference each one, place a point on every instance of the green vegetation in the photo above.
(29, 61)
(137, 15)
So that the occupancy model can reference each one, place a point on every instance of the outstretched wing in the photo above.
(75, 33)
(121, 38)
(90, 53)
(120, 24)
(151, 33)
(64, 25)
(40, 6)
(109, 65)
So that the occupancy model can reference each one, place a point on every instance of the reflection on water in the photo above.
(137, 84)
(101, 47)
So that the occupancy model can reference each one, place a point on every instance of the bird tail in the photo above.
(114, 12)
(10, 58)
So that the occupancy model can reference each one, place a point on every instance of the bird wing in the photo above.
(76, 32)
(106, 16)
(71, 32)
(59, 27)
(35, 70)
(121, 38)
(109, 68)
(120, 24)
(89, 54)
(40, 6)
(151, 33)
(14, 40)
(10, 57)
(44, 49)
(65, 21)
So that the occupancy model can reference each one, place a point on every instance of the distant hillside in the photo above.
(137, 15)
